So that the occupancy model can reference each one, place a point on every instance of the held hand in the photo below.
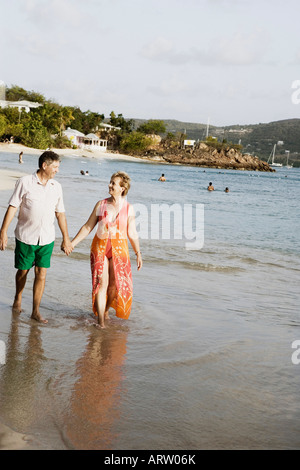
(67, 247)
(139, 261)
(3, 241)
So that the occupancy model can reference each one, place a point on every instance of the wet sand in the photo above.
(8, 178)
(11, 440)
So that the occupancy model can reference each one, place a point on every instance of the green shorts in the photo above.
(27, 256)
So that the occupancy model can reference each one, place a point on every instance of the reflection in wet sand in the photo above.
(21, 376)
(94, 407)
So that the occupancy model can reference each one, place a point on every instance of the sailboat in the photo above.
(272, 157)
(287, 159)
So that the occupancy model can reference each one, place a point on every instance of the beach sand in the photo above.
(17, 148)
(8, 177)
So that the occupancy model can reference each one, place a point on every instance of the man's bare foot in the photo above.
(39, 318)
(106, 316)
(100, 327)
(16, 308)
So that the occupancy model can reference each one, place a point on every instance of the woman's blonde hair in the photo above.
(125, 181)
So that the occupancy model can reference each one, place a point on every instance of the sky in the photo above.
(225, 62)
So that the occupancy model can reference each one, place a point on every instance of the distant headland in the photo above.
(206, 156)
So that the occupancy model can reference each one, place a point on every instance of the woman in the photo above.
(110, 263)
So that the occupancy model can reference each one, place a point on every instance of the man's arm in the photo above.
(8, 217)
(62, 223)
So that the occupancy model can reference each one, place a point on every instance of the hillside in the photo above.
(256, 139)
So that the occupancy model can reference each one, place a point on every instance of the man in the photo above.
(39, 199)
(210, 187)
(162, 178)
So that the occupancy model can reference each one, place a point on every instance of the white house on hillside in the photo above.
(76, 137)
(89, 141)
(108, 127)
(21, 105)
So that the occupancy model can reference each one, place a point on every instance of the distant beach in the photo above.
(17, 148)
(8, 177)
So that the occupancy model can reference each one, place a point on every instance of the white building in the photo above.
(109, 127)
(76, 137)
(92, 141)
(89, 141)
(189, 143)
(21, 105)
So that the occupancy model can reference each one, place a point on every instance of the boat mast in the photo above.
(274, 150)
(207, 128)
(272, 155)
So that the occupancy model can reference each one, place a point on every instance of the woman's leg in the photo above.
(100, 299)
(112, 289)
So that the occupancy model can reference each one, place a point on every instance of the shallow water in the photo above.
(204, 362)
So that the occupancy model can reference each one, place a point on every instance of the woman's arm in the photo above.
(133, 237)
(87, 227)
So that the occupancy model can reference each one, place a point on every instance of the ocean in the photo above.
(210, 356)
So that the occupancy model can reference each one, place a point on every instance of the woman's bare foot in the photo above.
(38, 317)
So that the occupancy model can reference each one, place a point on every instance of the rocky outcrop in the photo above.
(207, 156)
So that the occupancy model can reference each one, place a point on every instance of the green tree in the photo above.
(16, 93)
(3, 124)
(65, 117)
(87, 121)
(12, 115)
(135, 142)
(35, 134)
(153, 126)
(125, 125)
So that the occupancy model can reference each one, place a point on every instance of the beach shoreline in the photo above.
(17, 148)
(8, 178)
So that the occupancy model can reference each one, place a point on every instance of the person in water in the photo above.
(109, 256)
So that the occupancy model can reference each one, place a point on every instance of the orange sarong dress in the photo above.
(113, 235)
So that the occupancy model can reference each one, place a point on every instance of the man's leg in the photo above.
(21, 277)
(38, 290)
